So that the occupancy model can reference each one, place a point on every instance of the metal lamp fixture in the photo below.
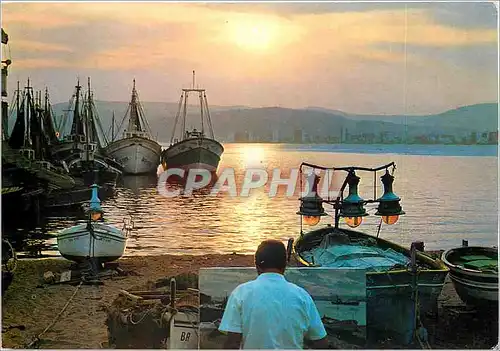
(389, 207)
(95, 209)
(311, 205)
(352, 208)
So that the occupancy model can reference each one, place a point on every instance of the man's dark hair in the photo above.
(271, 254)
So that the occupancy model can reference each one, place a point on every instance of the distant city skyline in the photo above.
(365, 58)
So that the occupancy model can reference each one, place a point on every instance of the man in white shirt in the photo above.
(269, 312)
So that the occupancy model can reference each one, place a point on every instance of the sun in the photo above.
(252, 155)
(253, 35)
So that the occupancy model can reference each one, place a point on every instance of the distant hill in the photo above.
(473, 117)
(315, 122)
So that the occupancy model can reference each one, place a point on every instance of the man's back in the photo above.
(272, 313)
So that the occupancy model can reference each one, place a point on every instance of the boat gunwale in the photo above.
(468, 271)
(191, 139)
(112, 146)
(437, 264)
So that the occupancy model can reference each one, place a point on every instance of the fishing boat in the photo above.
(27, 164)
(137, 152)
(81, 148)
(9, 263)
(474, 273)
(401, 283)
(192, 149)
(6, 62)
(93, 239)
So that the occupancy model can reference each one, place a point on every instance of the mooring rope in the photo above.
(37, 338)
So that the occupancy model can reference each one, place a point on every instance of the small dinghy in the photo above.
(94, 239)
(474, 273)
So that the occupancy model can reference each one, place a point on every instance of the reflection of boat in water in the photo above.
(396, 277)
(138, 182)
(136, 151)
(193, 149)
(94, 239)
(474, 273)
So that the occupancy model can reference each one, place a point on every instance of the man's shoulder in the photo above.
(243, 287)
(299, 290)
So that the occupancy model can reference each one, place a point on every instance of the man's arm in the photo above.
(316, 332)
(231, 322)
(320, 344)
(233, 341)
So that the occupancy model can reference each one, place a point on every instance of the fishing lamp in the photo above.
(311, 205)
(352, 206)
(389, 207)
(96, 211)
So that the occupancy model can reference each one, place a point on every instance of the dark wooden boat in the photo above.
(75, 197)
(193, 149)
(9, 262)
(81, 149)
(474, 273)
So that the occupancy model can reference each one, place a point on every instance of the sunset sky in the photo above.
(345, 56)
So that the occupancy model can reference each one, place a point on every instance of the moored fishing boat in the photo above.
(401, 284)
(137, 152)
(193, 149)
(474, 273)
(81, 148)
(94, 239)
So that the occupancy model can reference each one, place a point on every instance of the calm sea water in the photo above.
(449, 193)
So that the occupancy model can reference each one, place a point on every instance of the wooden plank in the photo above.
(65, 277)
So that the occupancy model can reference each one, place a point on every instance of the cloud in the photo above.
(36, 46)
(35, 16)
(466, 15)
(30, 63)
(332, 54)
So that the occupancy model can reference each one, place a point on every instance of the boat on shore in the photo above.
(81, 148)
(94, 239)
(401, 283)
(474, 273)
(9, 263)
(137, 152)
(193, 149)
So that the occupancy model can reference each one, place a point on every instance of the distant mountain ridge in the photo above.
(316, 123)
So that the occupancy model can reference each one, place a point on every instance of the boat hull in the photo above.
(107, 243)
(75, 197)
(474, 287)
(390, 298)
(195, 153)
(136, 155)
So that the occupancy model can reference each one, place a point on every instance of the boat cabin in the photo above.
(135, 134)
(77, 138)
(45, 165)
(28, 153)
(194, 134)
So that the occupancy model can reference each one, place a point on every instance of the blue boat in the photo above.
(401, 284)
(390, 282)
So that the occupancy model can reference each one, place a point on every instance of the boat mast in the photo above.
(6, 62)
(113, 127)
(27, 111)
(134, 123)
(201, 109)
(88, 120)
(77, 123)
